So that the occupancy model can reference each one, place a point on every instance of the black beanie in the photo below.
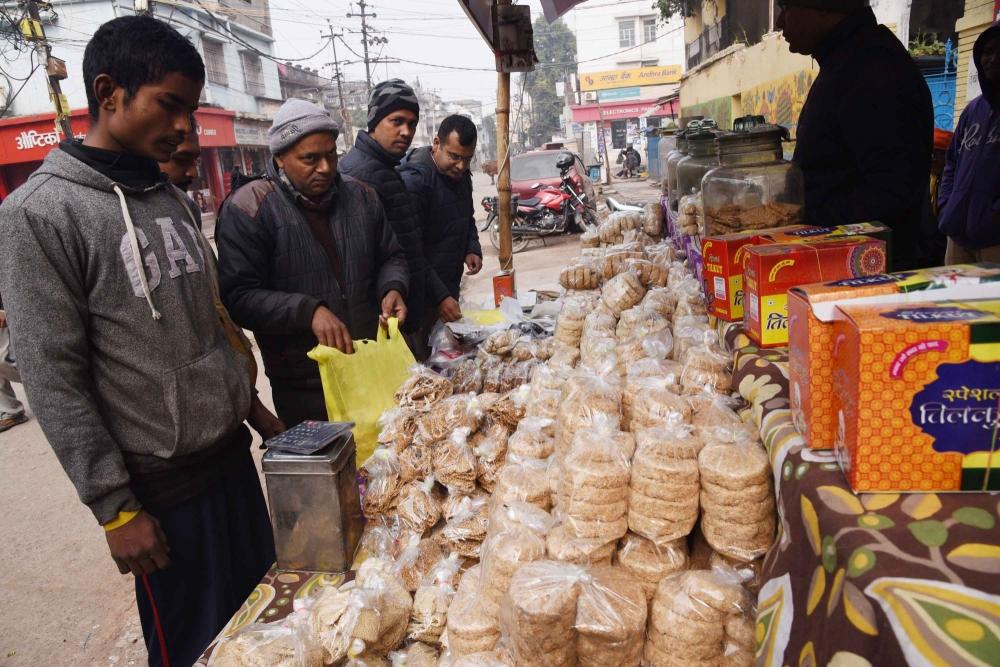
(838, 6)
(388, 96)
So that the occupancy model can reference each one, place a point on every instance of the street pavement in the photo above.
(62, 598)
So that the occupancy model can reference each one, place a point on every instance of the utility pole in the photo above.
(345, 114)
(364, 38)
(503, 173)
(55, 69)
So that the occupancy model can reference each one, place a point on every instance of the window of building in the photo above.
(648, 30)
(253, 73)
(626, 34)
(215, 62)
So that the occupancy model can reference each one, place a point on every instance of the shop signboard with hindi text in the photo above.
(622, 78)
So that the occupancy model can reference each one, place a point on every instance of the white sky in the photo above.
(436, 32)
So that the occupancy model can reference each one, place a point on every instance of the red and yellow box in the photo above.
(771, 270)
(916, 394)
(810, 332)
(724, 258)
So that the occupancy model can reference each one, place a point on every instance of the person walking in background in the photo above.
(865, 132)
(110, 289)
(393, 112)
(969, 194)
(307, 256)
(11, 409)
(439, 178)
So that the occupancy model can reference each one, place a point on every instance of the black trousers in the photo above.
(221, 546)
(295, 404)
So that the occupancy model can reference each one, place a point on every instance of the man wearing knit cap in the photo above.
(307, 256)
(864, 134)
(393, 112)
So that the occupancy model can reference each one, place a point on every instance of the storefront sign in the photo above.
(29, 139)
(640, 76)
(618, 94)
(250, 132)
(215, 128)
(615, 110)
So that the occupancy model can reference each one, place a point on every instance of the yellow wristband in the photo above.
(120, 520)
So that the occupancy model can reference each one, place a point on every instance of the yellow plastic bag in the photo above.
(359, 387)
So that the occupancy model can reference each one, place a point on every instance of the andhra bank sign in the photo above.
(640, 76)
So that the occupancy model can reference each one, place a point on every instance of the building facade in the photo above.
(631, 62)
(979, 15)
(241, 87)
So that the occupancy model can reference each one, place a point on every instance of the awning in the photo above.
(555, 8)
(586, 113)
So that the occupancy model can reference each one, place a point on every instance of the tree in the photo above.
(555, 46)
(683, 8)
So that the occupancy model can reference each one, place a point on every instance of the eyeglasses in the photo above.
(454, 157)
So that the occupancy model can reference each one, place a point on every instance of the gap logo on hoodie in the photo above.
(178, 260)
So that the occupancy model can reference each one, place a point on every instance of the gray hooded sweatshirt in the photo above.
(127, 369)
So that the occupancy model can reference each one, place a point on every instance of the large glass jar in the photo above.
(702, 158)
(673, 158)
(754, 187)
(666, 146)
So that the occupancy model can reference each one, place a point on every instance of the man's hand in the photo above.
(449, 310)
(392, 306)
(264, 421)
(330, 331)
(140, 546)
(474, 263)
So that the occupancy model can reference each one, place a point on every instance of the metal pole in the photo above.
(604, 143)
(45, 55)
(346, 116)
(503, 175)
(364, 42)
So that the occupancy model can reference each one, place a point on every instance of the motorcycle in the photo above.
(551, 212)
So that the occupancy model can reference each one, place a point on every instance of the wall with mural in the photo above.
(780, 100)
(719, 109)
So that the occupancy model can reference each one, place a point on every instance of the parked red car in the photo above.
(537, 169)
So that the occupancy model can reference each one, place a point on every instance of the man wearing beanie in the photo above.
(865, 132)
(307, 256)
(393, 112)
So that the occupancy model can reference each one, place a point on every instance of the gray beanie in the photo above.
(836, 6)
(388, 96)
(295, 119)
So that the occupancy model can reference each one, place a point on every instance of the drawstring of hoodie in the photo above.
(134, 246)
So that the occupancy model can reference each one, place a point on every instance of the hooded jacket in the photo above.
(969, 194)
(274, 272)
(449, 222)
(865, 134)
(371, 164)
(125, 362)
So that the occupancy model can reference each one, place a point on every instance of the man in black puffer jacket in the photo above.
(438, 176)
(393, 112)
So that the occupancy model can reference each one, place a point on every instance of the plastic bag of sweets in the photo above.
(610, 618)
(650, 562)
(455, 464)
(423, 389)
(382, 482)
(429, 614)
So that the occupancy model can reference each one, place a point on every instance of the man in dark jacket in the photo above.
(393, 112)
(305, 256)
(865, 132)
(439, 178)
(969, 196)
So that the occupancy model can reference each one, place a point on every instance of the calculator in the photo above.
(309, 437)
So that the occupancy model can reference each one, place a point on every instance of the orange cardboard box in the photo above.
(724, 258)
(771, 270)
(916, 393)
(810, 331)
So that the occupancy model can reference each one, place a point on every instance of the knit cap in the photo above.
(295, 119)
(388, 96)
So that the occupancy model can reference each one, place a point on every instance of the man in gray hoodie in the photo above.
(110, 290)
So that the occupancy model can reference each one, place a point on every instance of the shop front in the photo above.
(251, 152)
(622, 123)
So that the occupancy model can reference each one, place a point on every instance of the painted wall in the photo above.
(979, 15)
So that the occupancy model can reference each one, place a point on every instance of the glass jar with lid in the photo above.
(753, 187)
(666, 146)
(702, 157)
(675, 156)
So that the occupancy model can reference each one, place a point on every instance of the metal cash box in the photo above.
(315, 506)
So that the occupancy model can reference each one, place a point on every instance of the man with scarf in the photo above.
(307, 256)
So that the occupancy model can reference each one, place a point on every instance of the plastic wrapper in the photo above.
(750, 573)
(493, 370)
(664, 487)
(691, 308)
(690, 334)
(737, 504)
(600, 321)
(455, 412)
(660, 301)
(566, 547)
(691, 215)
(471, 627)
(580, 276)
(490, 447)
(587, 398)
(652, 223)
(429, 614)
(717, 421)
(382, 537)
(283, 644)
(501, 342)
(516, 374)
(395, 603)
(466, 526)
(598, 352)
(615, 262)
(506, 516)
(416, 462)
(545, 377)
(525, 350)
(416, 560)
(622, 292)
(650, 274)
(418, 508)
(538, 614)
(564, 357)
(650, 562)
(503, 554)
(689, 617)
(509, 410)
(534, 438)
(640, 320)
(545, 348)
(467, 376)
(382, 481)
(569, 323)
(590, 239)
(544, 404)
(610, 618)
(455, 464)
(666, 370)
(662, 253)
(397, 426)
(423, 389)
(524, 480)
(417, 654)
(497, 658)
(650, 401)
(651, 345)
(706, 370)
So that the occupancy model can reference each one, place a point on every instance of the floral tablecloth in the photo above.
(869, 579)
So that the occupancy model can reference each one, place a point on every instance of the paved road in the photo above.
(62, 598)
